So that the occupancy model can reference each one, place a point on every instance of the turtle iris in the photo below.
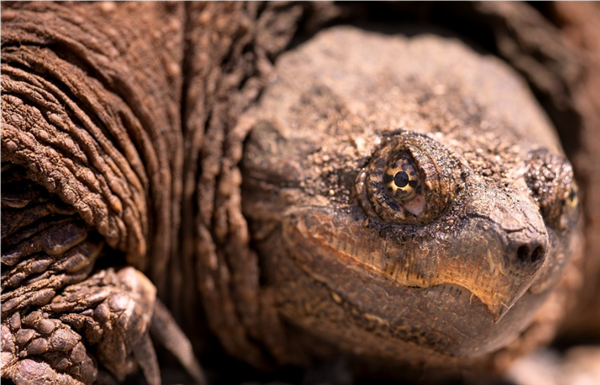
(401, 179)
(572, 199)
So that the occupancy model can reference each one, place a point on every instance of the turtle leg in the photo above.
(91, 158)
(102, 321)
(59, 323)
(63, 322)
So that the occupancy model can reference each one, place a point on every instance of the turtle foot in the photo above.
(101, 323)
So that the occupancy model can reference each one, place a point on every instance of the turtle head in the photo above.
(413, 238)
(411, 220)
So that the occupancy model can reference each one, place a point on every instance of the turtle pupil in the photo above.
(401, 179)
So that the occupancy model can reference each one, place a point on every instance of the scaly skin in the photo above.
(82, 133)
(132, 160)
(459, 265)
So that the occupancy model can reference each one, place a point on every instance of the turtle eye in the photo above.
(570, 212)
(394, 187)
(551, 183)
(402, 179)
(409, 180)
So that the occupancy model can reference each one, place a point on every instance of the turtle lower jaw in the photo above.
(446, 319)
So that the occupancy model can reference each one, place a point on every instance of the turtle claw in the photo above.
(164, 330)
(144, 354)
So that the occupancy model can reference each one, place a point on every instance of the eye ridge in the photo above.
(552, 185)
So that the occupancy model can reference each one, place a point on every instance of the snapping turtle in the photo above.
(396, 198)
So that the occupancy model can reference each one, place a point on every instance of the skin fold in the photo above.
(82, 133)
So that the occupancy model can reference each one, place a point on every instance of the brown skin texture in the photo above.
(102, 160)
(582, 32)
(121, 146)
(444, 277)
(89, 104)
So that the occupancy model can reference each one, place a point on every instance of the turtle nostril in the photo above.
(538, 254)
(526, 255)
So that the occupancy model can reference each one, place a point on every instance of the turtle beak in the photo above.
(498, 267)
(508, 246)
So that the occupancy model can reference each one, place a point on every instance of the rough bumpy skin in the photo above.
(437, 277)
(98, 153)
(227, 61)
(400, 200)
(89, 107)
(580, 22)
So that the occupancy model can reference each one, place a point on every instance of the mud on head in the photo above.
(407, 198)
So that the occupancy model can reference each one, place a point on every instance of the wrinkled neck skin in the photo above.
(455, 265)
